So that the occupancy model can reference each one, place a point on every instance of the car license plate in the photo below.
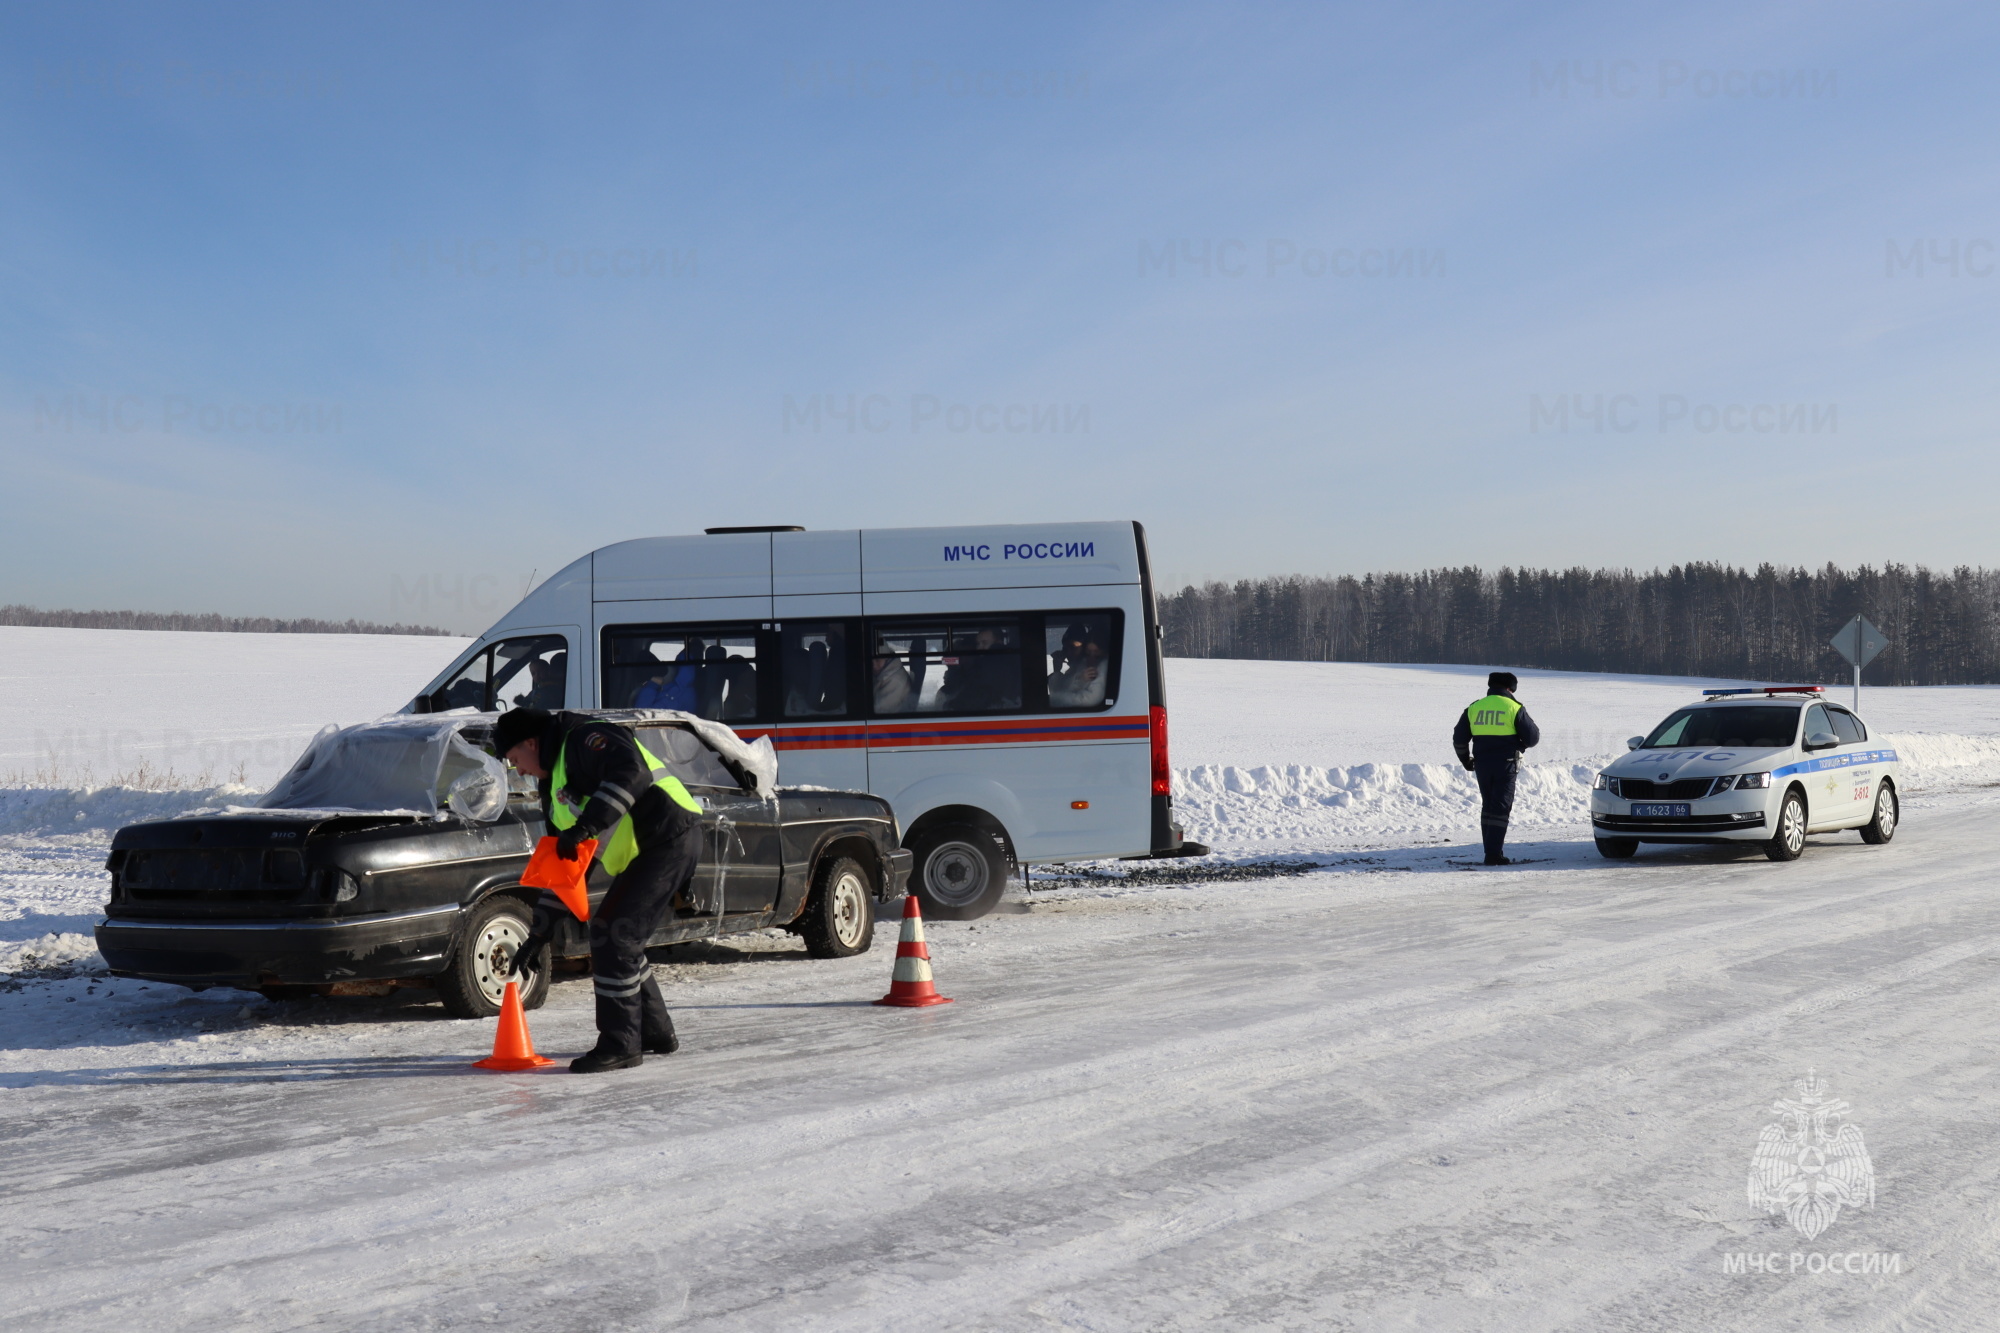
(1642, 810)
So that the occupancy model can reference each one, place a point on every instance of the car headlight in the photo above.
(1754, 780)
(1603, 783)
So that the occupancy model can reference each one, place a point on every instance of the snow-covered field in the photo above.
(82, 706)
(1355, 1086)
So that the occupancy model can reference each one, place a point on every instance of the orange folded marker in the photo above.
(563, 878)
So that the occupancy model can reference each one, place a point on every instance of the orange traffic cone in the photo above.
(512, 1049)
(910, 987)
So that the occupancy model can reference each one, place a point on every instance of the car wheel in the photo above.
(1618, 849)
(476, 980)
(839, 920)
(1887, 811)
(959, 874)
(1790, 839)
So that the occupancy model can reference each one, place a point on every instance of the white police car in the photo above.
(1766, 765)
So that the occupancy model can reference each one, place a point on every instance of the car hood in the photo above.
(1678, 764)
(250, 829)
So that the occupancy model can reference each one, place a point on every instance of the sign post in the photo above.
(1859, 642)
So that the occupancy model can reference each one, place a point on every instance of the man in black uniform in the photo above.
(1489, 738)
(597, 782)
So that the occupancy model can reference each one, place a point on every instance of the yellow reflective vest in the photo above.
(1493, 716)
(617, 850)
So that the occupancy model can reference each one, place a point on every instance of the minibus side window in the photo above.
(969, 664)
(815, 668)
(708, 671)
(1081, 651)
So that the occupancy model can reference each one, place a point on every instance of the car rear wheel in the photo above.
(476, 980)
(1618, 849)
(1790, 839)
(840, 913)
(1887, 811)
(960, 872)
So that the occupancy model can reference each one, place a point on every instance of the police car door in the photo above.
(1827, 797)
(1859, 778)
(739, 829)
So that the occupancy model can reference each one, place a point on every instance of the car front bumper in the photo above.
(897, 881)
(1729, 817)
(250, 954)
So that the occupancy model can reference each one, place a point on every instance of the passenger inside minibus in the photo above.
(707, 673)
(1081, 671)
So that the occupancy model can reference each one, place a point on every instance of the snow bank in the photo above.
(67, 951)
(1942, 761)
(105, 809)
(1297, 805)
(1301, 804)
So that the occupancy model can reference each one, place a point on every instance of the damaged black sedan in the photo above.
(391, 854)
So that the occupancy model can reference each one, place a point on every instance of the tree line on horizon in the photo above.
(1698, 619)
(207, 622)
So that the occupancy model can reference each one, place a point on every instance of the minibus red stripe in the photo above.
(990, 731)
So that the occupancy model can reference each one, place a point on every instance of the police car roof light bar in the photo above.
(1766, 689)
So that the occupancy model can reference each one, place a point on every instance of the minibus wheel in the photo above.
(960, 872)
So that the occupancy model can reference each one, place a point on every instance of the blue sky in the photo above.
(378, 310)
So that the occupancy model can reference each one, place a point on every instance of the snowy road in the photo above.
(1392, 1096)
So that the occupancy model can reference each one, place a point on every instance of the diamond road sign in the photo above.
(1859, 641)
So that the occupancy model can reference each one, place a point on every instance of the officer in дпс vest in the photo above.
(598, 782)
(1489, 738)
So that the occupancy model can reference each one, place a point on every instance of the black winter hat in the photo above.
(523, 724)
(1503, 682)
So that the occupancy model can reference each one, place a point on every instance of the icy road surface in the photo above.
(1396, 1095)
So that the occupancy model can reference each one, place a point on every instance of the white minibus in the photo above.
(1000, 686)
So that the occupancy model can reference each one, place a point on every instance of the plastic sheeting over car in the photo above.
(417, 765)
(754, 764)
(428, 764)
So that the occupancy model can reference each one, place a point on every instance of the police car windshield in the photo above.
(1751, 727)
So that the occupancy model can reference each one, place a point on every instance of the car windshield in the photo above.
(406, 766)
(1753, 727)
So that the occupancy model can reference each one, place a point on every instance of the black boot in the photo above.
(600, 1061)
(661, 1042)
(1497, 861)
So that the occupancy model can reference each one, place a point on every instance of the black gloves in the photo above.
(567, 841)
(531, 948)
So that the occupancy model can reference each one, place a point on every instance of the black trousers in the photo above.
(630, 1010)
(1496, 802)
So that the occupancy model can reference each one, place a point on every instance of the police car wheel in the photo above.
(1887, 811)
(1790, 839)
(1617, 849)
(839, 919)
(960, 872)
(475, 981)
